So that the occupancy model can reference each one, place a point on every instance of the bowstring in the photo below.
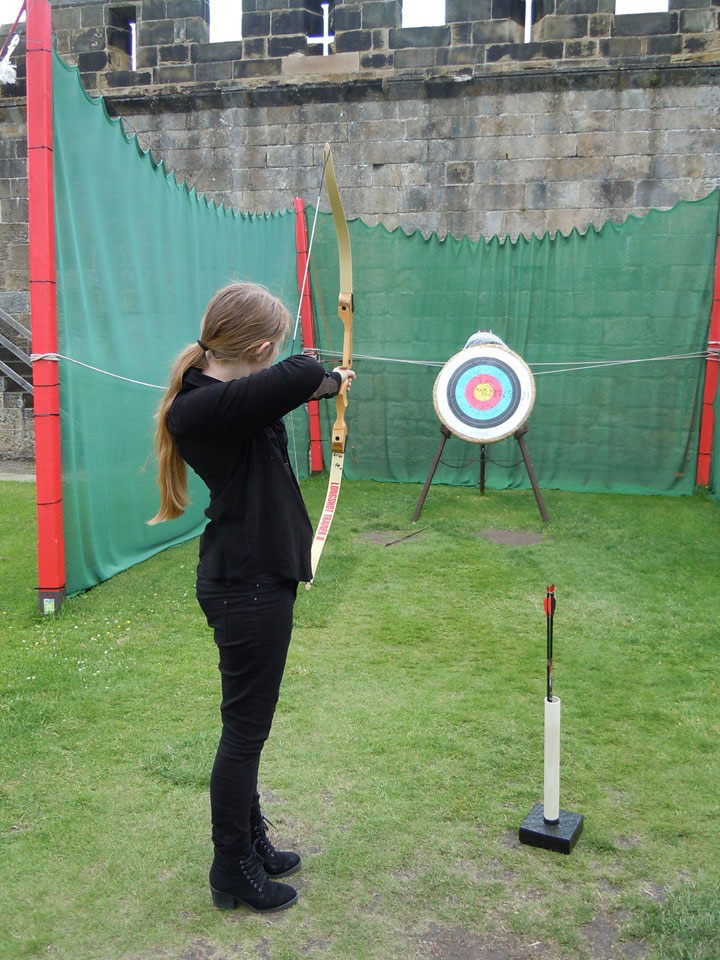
(303, 287)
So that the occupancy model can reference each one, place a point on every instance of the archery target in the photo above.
(484, 393)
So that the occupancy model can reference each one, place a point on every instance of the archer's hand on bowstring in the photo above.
(346, 374)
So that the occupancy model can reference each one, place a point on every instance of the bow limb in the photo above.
(345, 312)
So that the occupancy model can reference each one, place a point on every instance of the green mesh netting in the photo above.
(138, 257)
(631, 291)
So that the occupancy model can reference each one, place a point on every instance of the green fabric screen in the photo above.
(625, 292)
(138, 257)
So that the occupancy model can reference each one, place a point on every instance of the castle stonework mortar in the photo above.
(460, 129)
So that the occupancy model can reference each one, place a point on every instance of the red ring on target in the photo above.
(483, 392)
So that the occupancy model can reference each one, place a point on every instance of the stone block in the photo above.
(12, 167)
(459, 56)
(563, 27)
(217, 52)
(295, 21)
(459, 10)
(154, 10)
(155, 32)
(644, 24)
(176, 53)
(95, 61)
(253, 48)
(345, 18)
(657, 46)
(600, 25)
(581, 49)
(176, 74)
(298, 65)
(378, 13)
(542, 195)
(619, 47)
(91, 15)
(193, 30)
(127, 78)
(573, 7)
(255, 24)
(659, 193)
(497, 31)
(550, 50)
(353, 40)
(606, 193)
(86, 41)
(419, 37)
(698, 21)
(380, 39)
(65, 18)
(460, 34)
(188, 8)
(457, 173)
(414, 58)
(245, 69)
(146, 57)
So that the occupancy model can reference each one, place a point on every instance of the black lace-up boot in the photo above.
(234, 881)
(277, 863)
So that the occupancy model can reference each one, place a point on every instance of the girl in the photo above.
(222, 415)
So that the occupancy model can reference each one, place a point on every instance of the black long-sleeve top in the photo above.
(232, 435)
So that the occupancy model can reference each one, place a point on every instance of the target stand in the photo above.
(484, 394)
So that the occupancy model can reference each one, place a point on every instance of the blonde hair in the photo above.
(238, 320)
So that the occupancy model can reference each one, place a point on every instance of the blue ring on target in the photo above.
(505, 405)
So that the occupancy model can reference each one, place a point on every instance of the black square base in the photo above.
(561, 836)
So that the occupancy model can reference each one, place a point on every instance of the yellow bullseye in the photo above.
(483, 392)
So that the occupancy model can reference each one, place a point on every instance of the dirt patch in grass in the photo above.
(453, 942)
(602, 935)
(511, 538)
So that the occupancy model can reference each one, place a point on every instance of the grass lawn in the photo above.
(407, 747)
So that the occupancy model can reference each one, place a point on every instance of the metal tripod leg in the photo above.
(438, 453)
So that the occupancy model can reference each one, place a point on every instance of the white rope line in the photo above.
(576, 364)
(586, 364)
(34, 357)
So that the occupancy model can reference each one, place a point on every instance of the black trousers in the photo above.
(252, 622)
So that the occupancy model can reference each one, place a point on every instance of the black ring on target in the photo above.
(507, 410)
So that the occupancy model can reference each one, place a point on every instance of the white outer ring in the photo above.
(485, 351)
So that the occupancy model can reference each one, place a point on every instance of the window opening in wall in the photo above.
(423, 13)
(121, 40)
(225, 20)
(326, 39)
(528, 21)
(8, 13)
(641, 6)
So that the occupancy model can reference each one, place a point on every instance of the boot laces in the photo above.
(262, 835)
(253, 872)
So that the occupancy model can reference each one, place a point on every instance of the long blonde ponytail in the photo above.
(239, 318)
(172, 469)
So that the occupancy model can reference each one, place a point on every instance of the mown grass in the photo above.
(406, 750)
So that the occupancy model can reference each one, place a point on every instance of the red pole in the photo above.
(43, 309)
(308, 335)
(711, 382)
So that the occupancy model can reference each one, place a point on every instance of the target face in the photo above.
(484, 393)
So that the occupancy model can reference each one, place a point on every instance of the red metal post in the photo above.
(707, 422)
(43, 310)
(308, 335)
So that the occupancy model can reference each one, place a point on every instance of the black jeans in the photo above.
(252, 620)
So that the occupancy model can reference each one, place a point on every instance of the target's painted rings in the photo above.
(484, 393)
